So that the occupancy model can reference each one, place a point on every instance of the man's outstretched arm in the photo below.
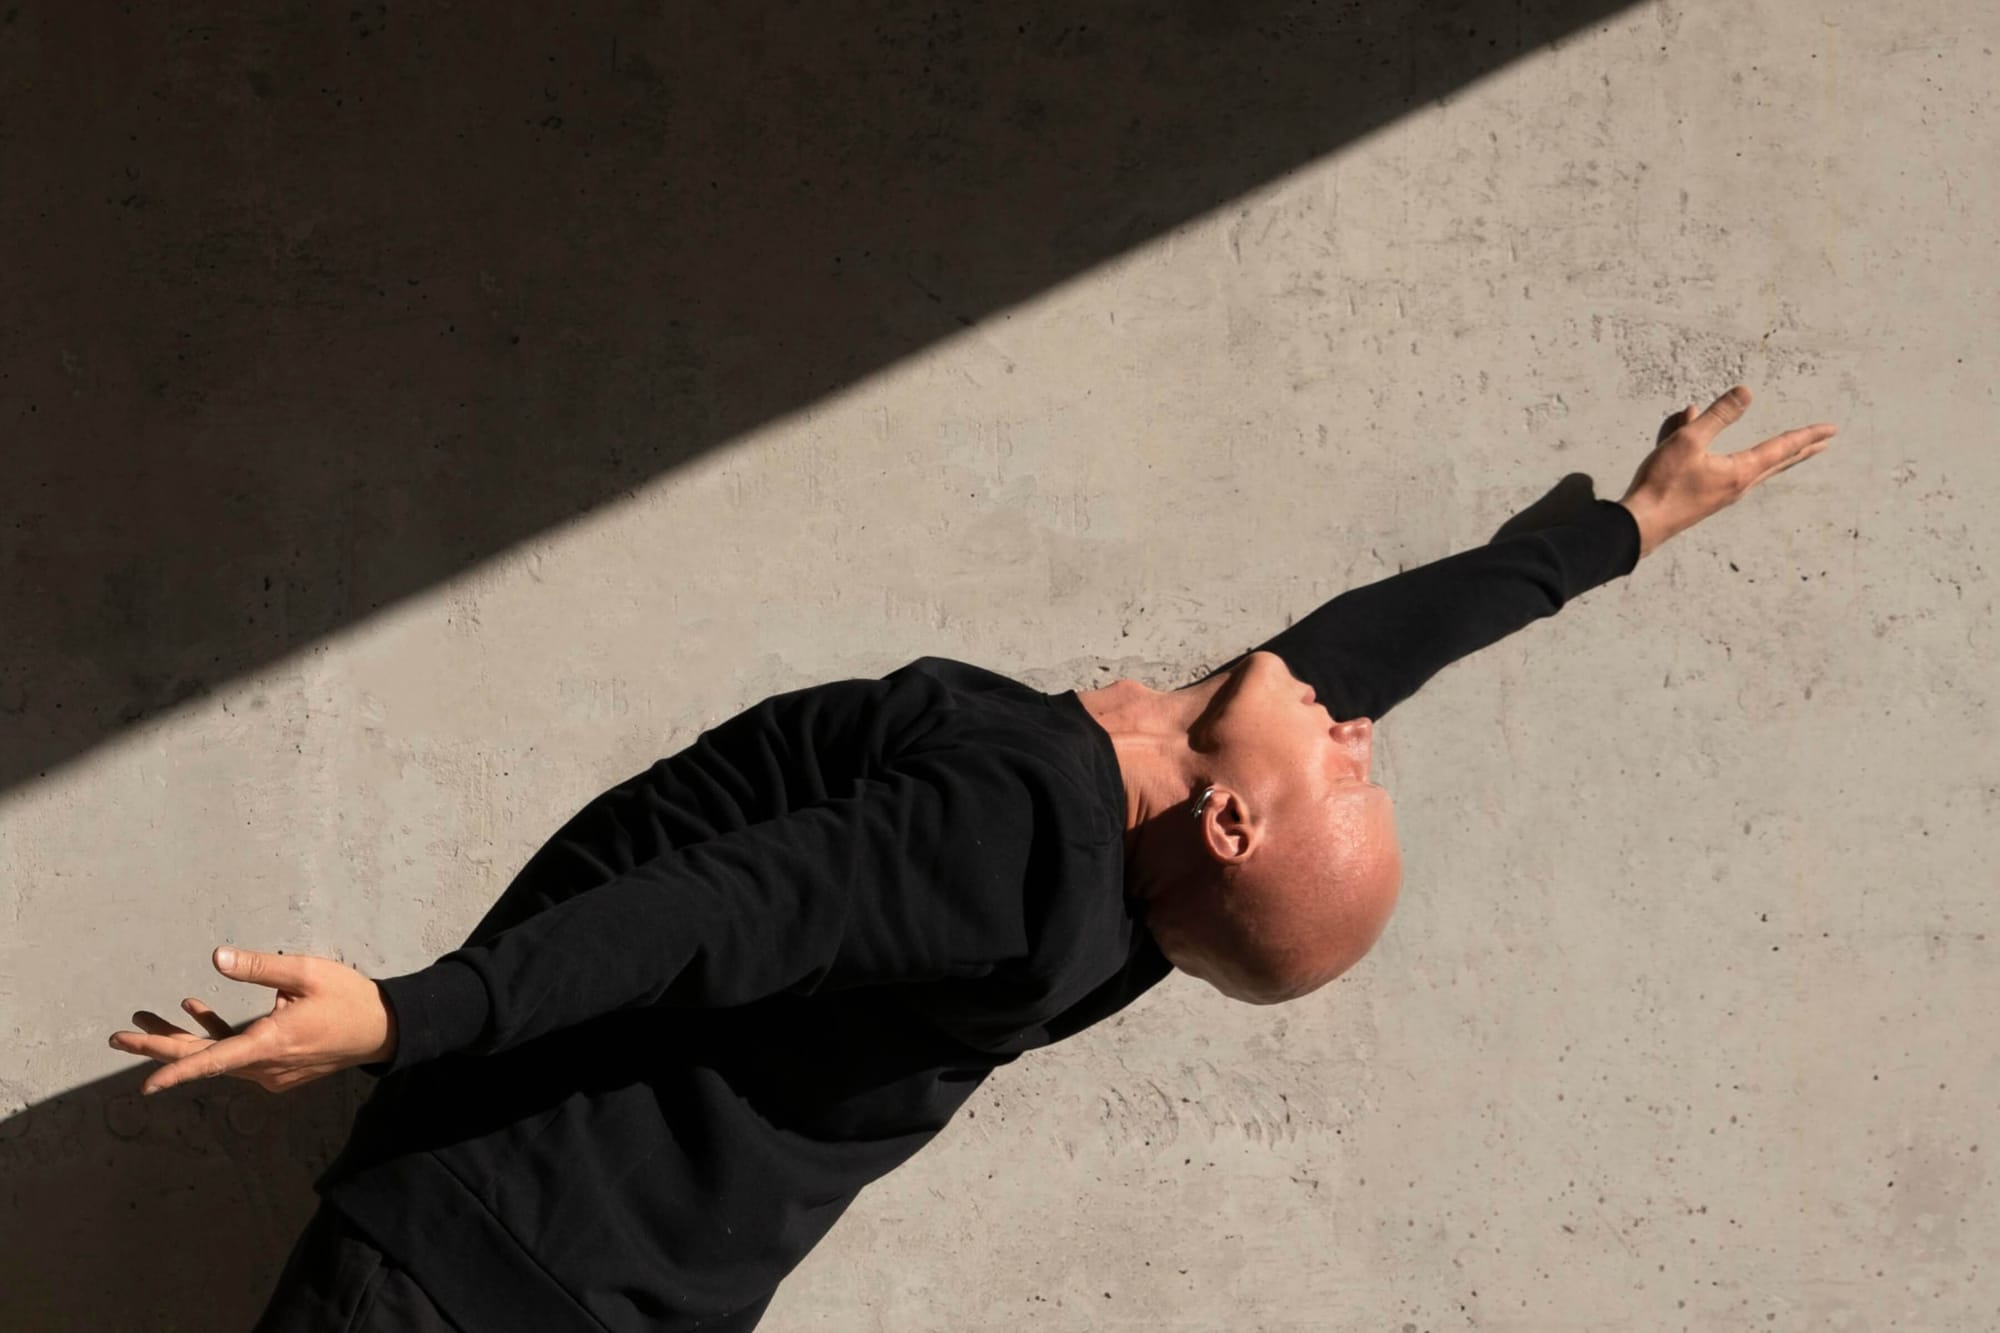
(914, 875)
(1371, 647)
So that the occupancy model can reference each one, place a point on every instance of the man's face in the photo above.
(1320, 889)
(1279, 733)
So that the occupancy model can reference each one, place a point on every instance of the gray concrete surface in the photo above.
(393, 469)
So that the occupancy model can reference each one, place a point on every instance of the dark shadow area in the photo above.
(1563, 501)
(310, 308)
(164, 1214)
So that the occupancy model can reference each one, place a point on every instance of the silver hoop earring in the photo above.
(1196, 812)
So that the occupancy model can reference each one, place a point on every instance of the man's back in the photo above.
(735, 989)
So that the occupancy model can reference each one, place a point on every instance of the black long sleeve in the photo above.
(1372, 647)
(914, 876)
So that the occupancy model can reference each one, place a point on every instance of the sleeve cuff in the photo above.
(1626, 540)
(437, 1010)
(1598, 545)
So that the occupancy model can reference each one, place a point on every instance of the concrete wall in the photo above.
(393, 469)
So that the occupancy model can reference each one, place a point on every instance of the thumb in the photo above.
(268, 969)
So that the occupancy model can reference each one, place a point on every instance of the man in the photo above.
(735, 989)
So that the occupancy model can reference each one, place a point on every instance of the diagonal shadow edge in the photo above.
(326, 308)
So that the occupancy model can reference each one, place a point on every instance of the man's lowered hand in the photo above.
(326, 1017)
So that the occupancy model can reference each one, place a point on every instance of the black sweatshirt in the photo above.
(732, 991)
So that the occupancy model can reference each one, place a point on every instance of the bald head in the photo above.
(1270, 905)
(1288, 871)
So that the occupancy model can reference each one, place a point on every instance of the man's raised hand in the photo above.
(1681, 482)
(326, 1017)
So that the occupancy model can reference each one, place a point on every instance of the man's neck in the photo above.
(1149, 731)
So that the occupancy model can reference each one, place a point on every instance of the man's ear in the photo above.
(1228, 834)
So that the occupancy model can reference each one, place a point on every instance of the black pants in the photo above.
(337, 1282)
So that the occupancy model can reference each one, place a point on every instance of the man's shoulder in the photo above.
(958, 675)
(927, 686)
(993, 739)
